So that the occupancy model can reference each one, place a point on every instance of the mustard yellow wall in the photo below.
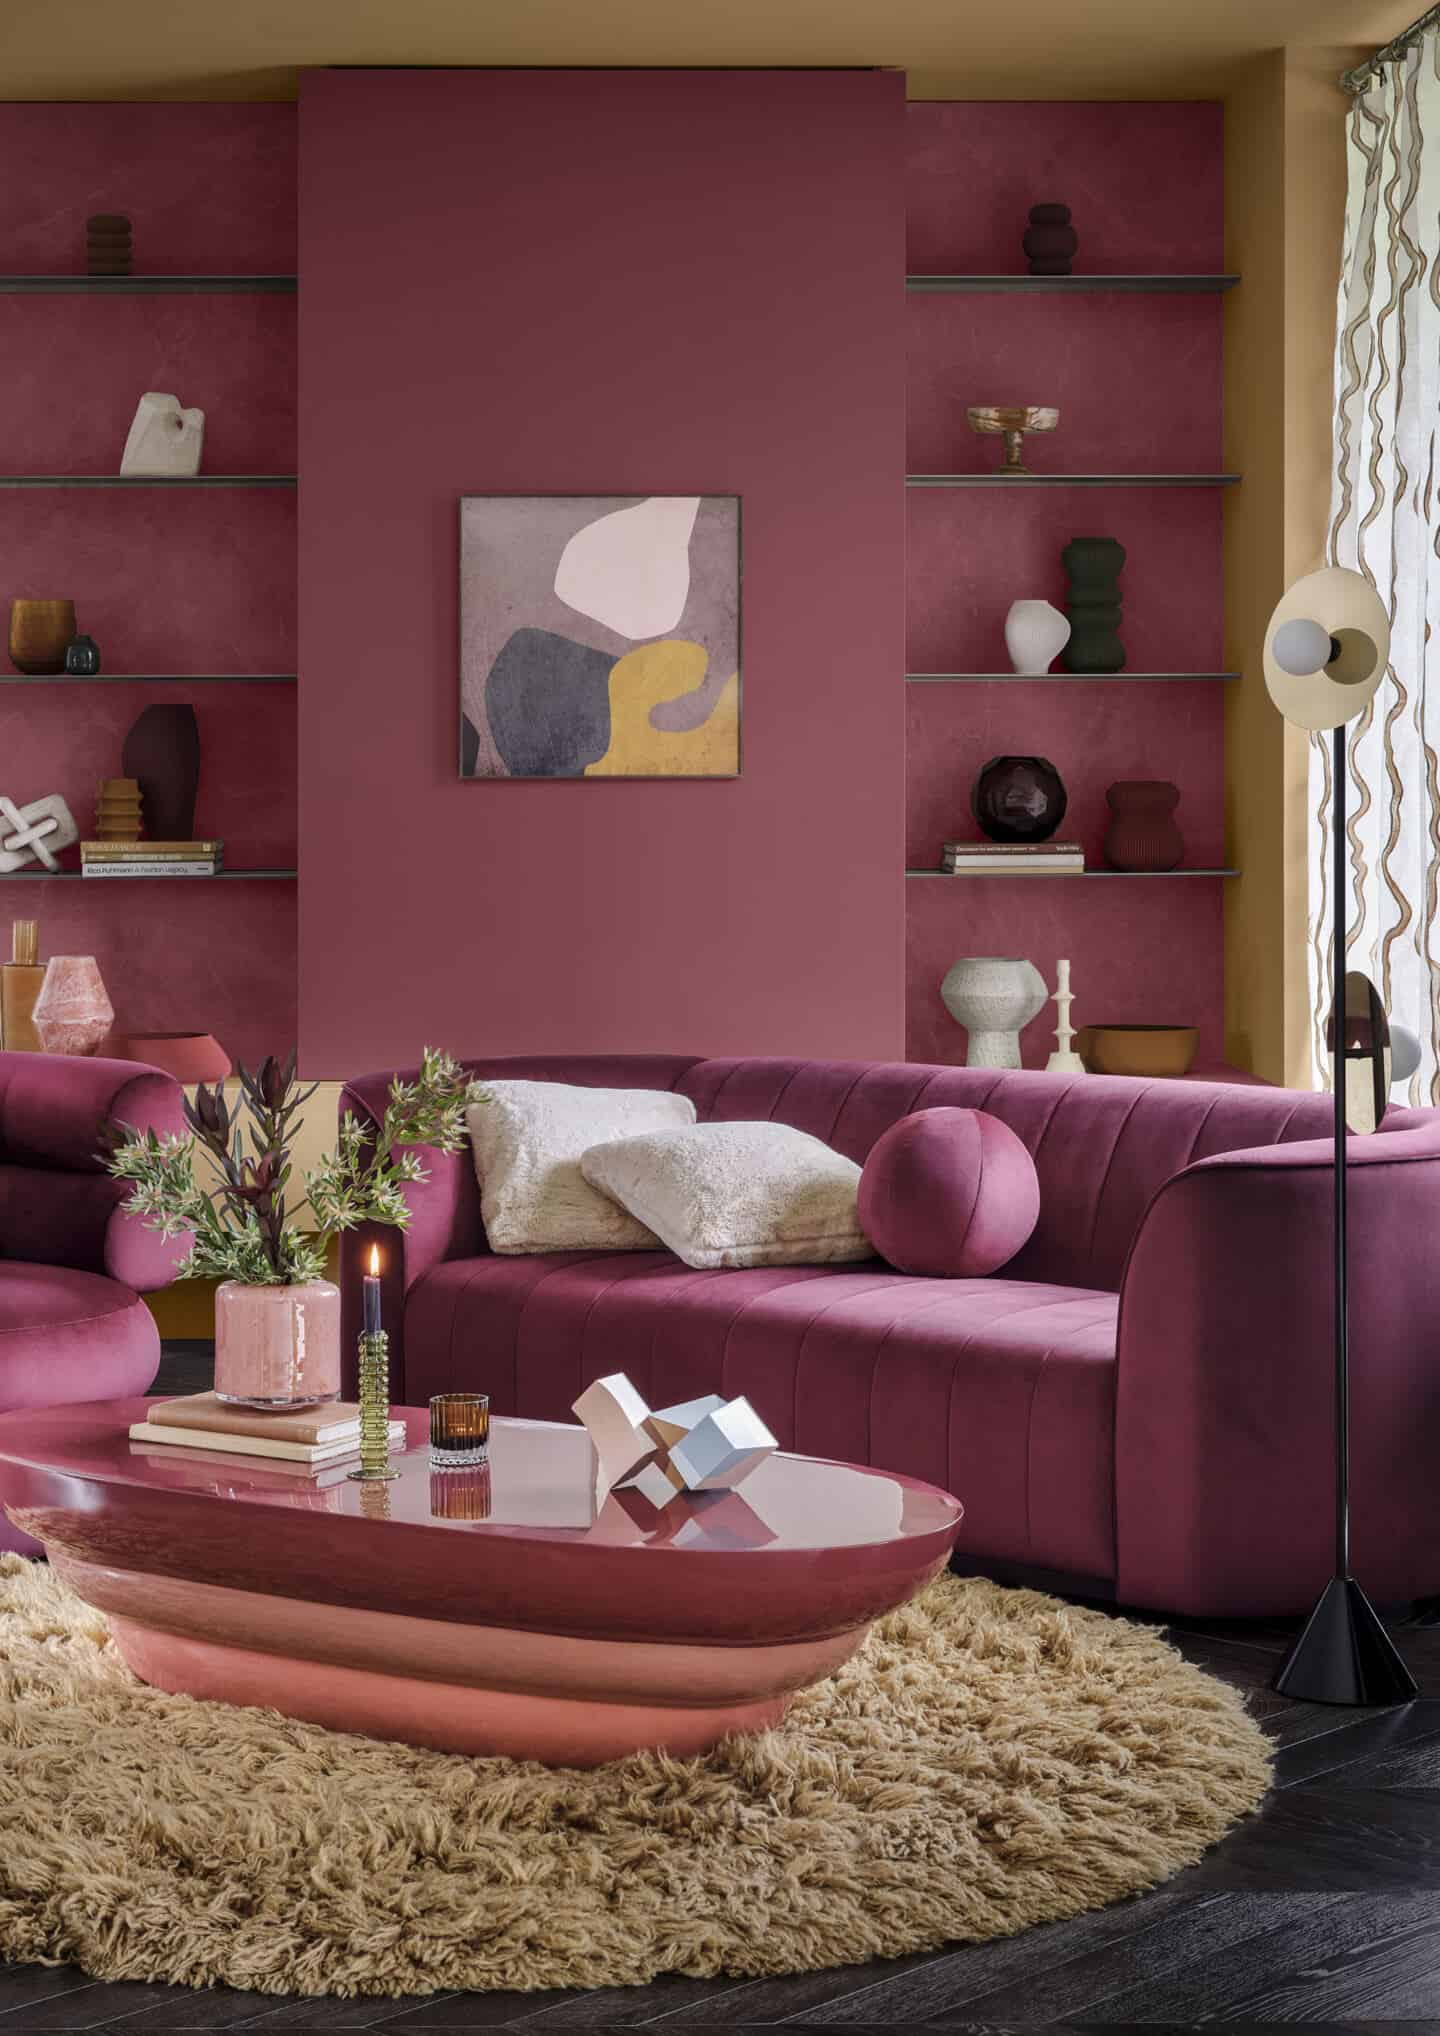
(1284, 212)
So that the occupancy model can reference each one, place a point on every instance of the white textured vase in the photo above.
(993, 996)
(1035, 635)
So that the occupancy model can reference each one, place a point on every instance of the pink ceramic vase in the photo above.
(277, 1346)
(1144, 834)
(72, 1013)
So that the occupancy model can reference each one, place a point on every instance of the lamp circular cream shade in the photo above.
(1352, 614)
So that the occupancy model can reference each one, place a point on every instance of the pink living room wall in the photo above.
(604, 282)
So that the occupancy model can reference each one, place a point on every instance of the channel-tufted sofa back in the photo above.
(1102, 1145)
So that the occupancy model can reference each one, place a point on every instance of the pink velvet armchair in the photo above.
(72, 1265)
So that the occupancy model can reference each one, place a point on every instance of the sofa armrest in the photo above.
(444, 1223)
(1224, 1444)
(60, 1205)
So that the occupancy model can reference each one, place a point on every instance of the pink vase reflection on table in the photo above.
(277, 1346)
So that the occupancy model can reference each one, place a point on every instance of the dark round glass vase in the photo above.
(1018, 798)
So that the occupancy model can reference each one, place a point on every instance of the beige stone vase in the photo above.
(277, 1346)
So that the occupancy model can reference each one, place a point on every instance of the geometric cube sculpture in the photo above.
(703, 1445)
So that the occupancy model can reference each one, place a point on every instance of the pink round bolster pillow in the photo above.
(951, 1193)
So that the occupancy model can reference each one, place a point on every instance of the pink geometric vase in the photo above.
(72, 1013)
(277, 1346)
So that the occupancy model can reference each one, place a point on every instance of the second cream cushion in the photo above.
(736, 1194)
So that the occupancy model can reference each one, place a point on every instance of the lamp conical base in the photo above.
(1344, 1655)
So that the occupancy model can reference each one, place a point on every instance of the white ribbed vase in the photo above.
(993, 996)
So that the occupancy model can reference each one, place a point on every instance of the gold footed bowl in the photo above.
(1011, 421)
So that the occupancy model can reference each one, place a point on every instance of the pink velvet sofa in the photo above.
(1138, 1406)
(72, 1265)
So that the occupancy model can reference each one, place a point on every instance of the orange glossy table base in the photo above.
(458, 1688)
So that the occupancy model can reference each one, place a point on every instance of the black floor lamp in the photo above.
(1326, 651)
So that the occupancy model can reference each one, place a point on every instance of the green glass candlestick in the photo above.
(375, 1461)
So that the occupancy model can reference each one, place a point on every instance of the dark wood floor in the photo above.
(1322, 1911)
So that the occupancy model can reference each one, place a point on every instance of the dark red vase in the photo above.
(1144, 834)
(162, 750)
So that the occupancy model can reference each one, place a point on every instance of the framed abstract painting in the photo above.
(600, 636)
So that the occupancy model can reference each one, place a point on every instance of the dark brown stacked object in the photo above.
(1050, 240)
(108, 251)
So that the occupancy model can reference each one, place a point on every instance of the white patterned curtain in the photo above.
(1385, 523)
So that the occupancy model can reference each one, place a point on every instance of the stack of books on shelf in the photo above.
(308, 1439)
(1013, 858)
(151, 858)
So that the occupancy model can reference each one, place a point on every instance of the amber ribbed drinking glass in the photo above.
(459, 1429)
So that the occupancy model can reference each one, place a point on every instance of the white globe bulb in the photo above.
(1302, 647)
(1404, 1053)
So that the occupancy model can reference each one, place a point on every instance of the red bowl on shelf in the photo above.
(189, 1056)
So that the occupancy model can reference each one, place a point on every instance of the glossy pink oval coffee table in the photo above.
(519, 1609)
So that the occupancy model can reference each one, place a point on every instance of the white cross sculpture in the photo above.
(704, 1445)
(33, 833)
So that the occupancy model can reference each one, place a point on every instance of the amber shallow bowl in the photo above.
(997, 417)
(1140, 1049)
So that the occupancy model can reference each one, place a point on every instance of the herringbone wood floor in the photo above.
(1323, 1911)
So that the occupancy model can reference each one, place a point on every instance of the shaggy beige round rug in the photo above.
(990, 1759)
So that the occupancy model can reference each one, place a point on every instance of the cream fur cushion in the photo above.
(528, 1137)
(736, 1194)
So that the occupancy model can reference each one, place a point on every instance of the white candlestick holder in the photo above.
(1064, 1060)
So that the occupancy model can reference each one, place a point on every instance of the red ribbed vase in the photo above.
(1144, 834)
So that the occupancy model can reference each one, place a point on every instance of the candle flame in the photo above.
(374, 1261)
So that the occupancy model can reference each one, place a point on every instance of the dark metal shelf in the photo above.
(149, 679)
(999, 480)
(1187, 286)
(78, 877)
(147, 286)
(148, 480)
(1065, 678)
(1065, 876)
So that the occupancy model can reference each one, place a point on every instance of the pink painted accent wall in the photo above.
(167, 581)
(1137, 379)
(601, 282)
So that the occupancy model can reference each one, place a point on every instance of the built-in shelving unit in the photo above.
(1068, 678)
(1129, 351)
(1154, 285)
(148, 480)
(250, 357)
(147, 286)
(1001, 480)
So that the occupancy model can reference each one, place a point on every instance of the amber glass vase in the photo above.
(40, 635)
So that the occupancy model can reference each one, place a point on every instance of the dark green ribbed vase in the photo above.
(1092, 604)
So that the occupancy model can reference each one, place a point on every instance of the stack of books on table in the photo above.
(1013, 858)
(151, 858)
(305, 1440)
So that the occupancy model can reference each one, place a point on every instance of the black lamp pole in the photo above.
(1343, 1654)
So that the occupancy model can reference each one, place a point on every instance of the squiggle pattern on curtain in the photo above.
(1384, 524)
